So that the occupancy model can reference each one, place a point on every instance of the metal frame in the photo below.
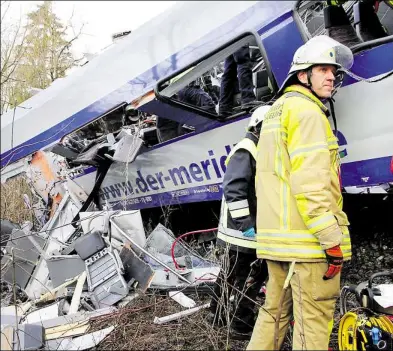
(148, 253)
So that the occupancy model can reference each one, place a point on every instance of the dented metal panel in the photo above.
(105, 279)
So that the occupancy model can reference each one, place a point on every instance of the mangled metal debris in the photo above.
(75, 318)
(13, 314)
(64, 267)
(81, 264)
(25, 254)
(136, 269)
(39, 315)
(150, 255)
(25, 337)
(86, 341)
(105, 278)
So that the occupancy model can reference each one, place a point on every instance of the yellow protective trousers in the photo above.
(309, 299)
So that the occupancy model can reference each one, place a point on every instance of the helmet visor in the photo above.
(324, 50)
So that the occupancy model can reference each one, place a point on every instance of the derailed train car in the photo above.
(133, 142)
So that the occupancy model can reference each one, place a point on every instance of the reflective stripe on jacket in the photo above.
(297, 182)
(238, 207)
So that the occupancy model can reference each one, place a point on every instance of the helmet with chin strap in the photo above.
(320, 50)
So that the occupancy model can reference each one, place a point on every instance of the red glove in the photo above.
(334, 258)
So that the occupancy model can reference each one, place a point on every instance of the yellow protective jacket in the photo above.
(299, 201)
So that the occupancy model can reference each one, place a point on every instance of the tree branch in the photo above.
(71, 41)
(35, 56)
(3, 3)
(11, 52)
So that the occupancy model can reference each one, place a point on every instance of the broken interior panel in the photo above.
(81, 146)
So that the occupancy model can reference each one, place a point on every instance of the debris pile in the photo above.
(82, 266)
(97, 279)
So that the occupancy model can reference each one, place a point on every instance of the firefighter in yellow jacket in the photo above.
(302, 231)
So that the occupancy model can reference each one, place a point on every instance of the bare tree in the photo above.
(12, 51)
(35, 54)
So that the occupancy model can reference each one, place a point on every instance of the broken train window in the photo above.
(227, 82)
(80, 146)
(349, 22)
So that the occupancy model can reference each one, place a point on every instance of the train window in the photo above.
(352, 23)
(228, 82)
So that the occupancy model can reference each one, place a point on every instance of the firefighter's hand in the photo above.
(334, 258)
(249, 233)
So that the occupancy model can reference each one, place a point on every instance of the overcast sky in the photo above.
(101, 18)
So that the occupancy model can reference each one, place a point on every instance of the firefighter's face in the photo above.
(322, 80)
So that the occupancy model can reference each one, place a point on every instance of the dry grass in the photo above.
(12, 204)
(135, 329)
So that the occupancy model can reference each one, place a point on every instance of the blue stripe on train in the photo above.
(143, 83)
(369, 172)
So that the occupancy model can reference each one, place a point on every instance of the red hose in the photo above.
(184, 235)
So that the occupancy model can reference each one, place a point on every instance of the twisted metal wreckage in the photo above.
(96, 163)
(72, 275)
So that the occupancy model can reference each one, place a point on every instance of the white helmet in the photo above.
(320, 50)
(258, 116)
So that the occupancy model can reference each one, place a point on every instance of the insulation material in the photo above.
(65, 330)
(44, 173)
